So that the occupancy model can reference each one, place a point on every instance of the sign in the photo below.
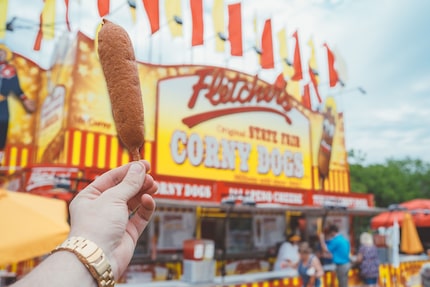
(228, 126)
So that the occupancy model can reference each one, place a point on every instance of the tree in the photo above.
(395, 181)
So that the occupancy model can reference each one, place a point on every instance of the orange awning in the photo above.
(30, 225)
(410, 242)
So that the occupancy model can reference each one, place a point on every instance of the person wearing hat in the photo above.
(288, 254)
(9, 84)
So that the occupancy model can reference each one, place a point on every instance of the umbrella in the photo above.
(30, 225)
(410, 242)
(418, 208)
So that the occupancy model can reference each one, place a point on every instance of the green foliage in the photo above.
(394, 181)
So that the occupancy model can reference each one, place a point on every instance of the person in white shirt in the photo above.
(288, 254)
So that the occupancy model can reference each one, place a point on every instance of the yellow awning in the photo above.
(30, 225)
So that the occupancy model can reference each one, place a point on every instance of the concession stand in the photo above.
(241, 160)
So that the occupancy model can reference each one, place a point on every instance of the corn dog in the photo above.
(120, 70)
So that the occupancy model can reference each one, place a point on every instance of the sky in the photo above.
(384, 45)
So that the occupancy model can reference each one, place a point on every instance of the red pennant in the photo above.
(297, 64)
(103, 6)
(280, 82)
(39, 36)
(235, 29)
(306, 98)
(152, 8)
(332, 73)
(66, 2)
(267, 61)
(197, 18)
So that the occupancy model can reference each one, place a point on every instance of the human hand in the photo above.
(100, 211)
(29, 105)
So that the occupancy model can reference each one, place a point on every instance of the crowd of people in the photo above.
(334, 248)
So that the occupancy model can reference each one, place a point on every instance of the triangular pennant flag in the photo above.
(173, 12)
(314, 82)
(218, 24)
(3, 17)
(267, 61)
(103, 7)
(280, 82)
(332, 73)
(46, 24)
(287, 68)
(235, 29)
(298, 72)
(197, 19)
(66, 3)
(306, 98)
(152, 8)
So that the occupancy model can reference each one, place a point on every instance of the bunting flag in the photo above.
(173, 12)
(280, 82)
(313, 69)
(283, 53)
(306, 98)
(235, 29)
(314, 82)
(103, 7)
(332, 73)
(197, 19)
(46, 24)
(3, 17)
(297, 63)
(266, 60)
(219, 24)
(152, 9)
(66, 3)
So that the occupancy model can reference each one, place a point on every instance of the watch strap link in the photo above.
(92, 257)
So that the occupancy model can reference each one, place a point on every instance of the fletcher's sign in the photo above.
(227, 126)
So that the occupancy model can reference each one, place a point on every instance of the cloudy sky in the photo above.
(386, 46)
(384, 43)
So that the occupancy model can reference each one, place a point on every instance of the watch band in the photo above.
(92, 257)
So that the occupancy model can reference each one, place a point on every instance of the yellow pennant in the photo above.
(3, 17)
(48, 19)
(219, 24)
(173, 15)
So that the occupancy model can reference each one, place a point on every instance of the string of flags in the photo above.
(227, 30)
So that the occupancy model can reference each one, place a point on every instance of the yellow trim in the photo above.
(89, 149)
(101, 156)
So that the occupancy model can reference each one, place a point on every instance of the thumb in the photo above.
(132, 182)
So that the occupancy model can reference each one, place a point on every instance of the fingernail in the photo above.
(136, 167)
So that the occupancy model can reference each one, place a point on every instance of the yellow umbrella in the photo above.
(30, 225)
(410, 242)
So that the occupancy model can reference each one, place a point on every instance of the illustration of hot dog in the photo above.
(328, 130)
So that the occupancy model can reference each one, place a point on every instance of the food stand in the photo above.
(240, 159)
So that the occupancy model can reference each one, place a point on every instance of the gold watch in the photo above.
(92, 257)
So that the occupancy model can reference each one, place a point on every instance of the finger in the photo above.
(131, 184)
(144, 213)
(112, 177)
(150, 186)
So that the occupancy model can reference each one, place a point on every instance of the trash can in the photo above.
(425, 275)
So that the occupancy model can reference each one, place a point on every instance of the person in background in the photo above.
(288, 254)
(367, 257)
(309, 266)
(103, 232)
(339, 248)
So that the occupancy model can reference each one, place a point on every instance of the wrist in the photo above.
(92, 257)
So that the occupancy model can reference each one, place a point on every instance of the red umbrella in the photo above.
(418, 208)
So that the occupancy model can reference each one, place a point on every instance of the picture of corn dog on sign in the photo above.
(325, 148)
(119, 66)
